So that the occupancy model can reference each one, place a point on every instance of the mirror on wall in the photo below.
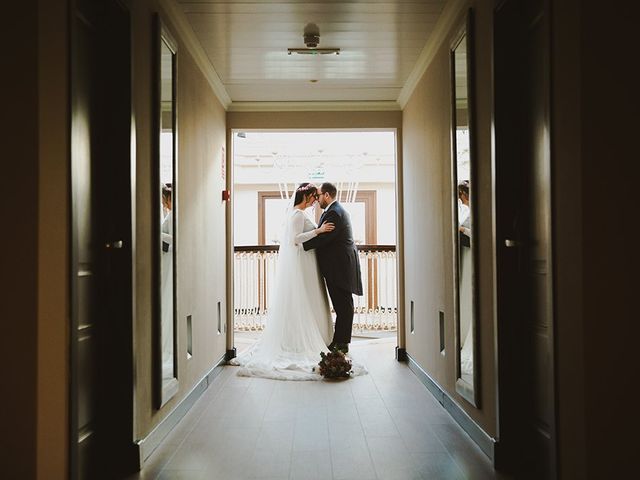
(464, 216)
(165, 215)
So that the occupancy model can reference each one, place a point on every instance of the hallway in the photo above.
(385, 425)
(515, 258)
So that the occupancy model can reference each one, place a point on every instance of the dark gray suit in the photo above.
(339, 264)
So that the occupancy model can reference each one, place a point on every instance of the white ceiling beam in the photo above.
(320, 106)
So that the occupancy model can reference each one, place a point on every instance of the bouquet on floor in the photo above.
(334, 365)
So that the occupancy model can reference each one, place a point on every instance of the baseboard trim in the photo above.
(149, 443)
(486, 443)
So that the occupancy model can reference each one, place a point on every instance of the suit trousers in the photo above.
(342, 301)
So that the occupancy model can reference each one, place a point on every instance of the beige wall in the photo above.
(593, 212)
(33, 254)
(53, 238)
(607, 123)
(596, 263)
(19, 250)
(311, 120)
(35, 248)
(201, 221)
(428, 222)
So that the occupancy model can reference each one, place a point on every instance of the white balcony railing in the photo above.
(254, 273)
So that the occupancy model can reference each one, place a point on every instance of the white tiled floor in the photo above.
(384, 425)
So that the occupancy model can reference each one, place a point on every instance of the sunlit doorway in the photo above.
(267, 168)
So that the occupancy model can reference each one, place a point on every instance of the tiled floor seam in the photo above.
(366, 440)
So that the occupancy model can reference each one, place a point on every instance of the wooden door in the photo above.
(101, 397)
(523, 239)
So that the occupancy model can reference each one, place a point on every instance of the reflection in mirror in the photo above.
(463, 214)
(166, 198)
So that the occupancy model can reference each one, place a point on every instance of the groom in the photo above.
(339, 264)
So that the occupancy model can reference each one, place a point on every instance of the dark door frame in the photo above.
(516, 450)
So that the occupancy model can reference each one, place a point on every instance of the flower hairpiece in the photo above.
(305, 188)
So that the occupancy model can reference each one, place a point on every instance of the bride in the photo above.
(299, 324)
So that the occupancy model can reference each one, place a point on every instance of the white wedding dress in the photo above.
(166, 293)
(466, 297)
(299, 324)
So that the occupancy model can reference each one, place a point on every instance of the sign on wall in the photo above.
(223, 161)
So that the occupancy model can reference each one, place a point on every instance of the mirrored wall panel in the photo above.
(464, 216)
(165, 200)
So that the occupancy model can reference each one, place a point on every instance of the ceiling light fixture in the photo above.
(311, 40)
(313, 51)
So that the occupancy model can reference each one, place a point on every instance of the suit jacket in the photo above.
(337, 254)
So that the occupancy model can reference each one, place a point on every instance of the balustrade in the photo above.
(254, 273)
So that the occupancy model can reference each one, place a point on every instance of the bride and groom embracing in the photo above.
(299, 324)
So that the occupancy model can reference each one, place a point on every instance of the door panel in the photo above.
(86, 404)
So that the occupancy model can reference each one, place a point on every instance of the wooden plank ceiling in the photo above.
(247, 41)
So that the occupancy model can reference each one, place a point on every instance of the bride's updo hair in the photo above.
(302, 191)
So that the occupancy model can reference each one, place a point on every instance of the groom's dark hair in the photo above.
(329, 188)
